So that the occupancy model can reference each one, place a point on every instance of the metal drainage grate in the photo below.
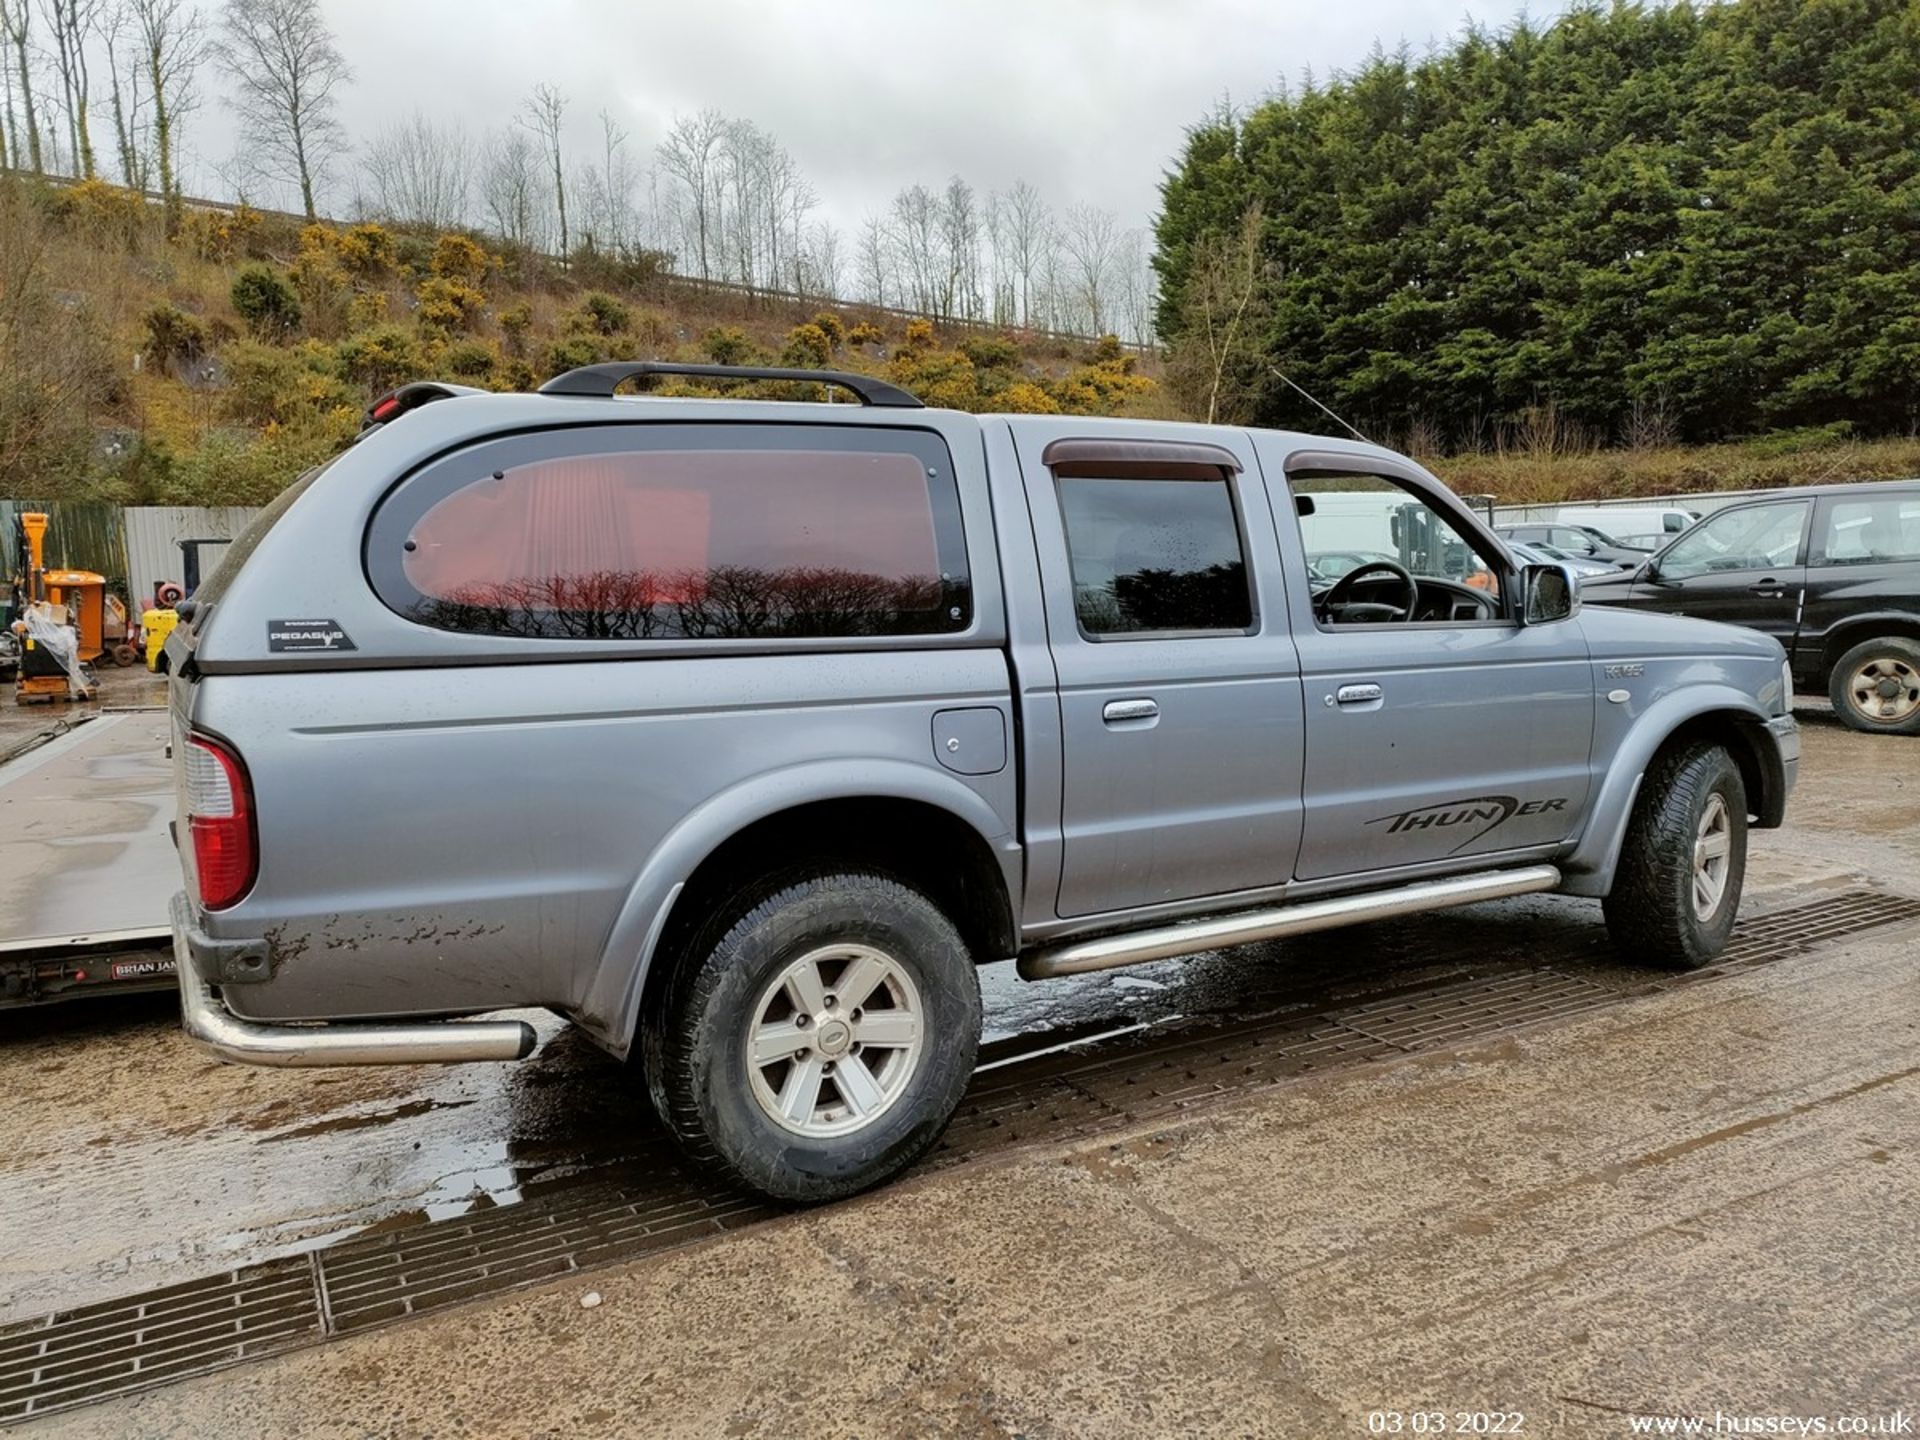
(77, 1357)
(73, 1357)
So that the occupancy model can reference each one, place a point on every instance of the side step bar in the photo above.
(1137, 947)
(249, 1042)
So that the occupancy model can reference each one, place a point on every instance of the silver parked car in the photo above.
(739, 732)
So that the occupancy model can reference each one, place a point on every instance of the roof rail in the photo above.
(395, 403)
(600, 381)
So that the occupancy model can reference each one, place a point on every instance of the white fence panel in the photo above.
(154, 533)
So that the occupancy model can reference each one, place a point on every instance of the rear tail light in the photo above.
(220, 820)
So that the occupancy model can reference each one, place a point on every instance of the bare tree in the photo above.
(960, 248)
(420, 172)
(71, 21)
(874, 260)
(285, 68)
(690, 155)
(17, 20)
(821, 263)
(1135, 287)
(511, 189)
(1218, 310)
(118, 27)
(1090, 239)
(916, 238)
(1030, 231)
(172, 45)
(544, 115)
(609, 190)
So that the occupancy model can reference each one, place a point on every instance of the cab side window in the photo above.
(1756, 537)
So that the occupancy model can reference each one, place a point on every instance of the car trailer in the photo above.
(87, 863)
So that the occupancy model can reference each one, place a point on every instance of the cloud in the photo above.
(1086, 99)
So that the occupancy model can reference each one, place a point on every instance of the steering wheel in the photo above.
(1335, 599)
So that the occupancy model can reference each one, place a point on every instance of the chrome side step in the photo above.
(1137, 947)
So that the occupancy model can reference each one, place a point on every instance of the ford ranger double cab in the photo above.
(740, 731)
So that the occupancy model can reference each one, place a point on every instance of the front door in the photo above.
(1433, 737)
(1744, 566)
(1179, 685)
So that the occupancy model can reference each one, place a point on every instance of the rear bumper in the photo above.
(249, 1042)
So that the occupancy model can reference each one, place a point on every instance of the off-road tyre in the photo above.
(695, 1049)
(1896, 661)
(1651, 911)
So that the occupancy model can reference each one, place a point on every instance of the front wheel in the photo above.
(1875, 687)
(1677, 888)
(820, 1044)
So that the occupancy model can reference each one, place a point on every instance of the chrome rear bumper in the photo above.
(251, 1042)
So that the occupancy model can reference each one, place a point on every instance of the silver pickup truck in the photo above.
(739, 732)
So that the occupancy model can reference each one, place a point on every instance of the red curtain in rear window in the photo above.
(655, 528)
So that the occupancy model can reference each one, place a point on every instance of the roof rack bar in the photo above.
(600, 381)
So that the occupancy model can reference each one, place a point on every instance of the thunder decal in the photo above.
(1481, 815)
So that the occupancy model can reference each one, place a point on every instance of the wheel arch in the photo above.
(1857, 629)
(1717, 714)
(895, 818)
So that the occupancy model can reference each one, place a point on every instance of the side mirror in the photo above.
(1548, 593)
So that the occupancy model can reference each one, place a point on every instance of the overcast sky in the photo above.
(1086, 99)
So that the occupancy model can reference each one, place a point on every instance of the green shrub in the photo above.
(380, 359)
(727, 345)
(991, 352)
(655, 332)
(808, 348)
(264, 299)
(573, 351)
(272, 385)
(515, 321)
(456, 257)
(1801, 440)
(600, 314)
(449, 306)
(470, 360)
(514, 374)
(173, 337)
(831, 326)
(865, 333)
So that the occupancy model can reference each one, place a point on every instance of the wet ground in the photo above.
(128, 1163)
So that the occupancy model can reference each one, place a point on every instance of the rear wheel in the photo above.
(1677, 889)
(1875, 687)
(819, 1045)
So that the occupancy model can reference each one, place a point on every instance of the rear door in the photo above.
(1744, 566)
(1864, 560)
(1179, 685)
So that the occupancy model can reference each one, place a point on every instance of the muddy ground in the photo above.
(1694, 1199)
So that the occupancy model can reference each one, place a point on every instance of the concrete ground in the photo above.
(1695, 1202)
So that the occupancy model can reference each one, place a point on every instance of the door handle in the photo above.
(1766, 589)
(1118, 710)
(1363, 694)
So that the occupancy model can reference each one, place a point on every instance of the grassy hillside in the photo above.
(213, 365)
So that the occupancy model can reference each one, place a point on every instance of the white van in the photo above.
(1634, 523)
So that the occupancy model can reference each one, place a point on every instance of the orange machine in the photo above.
(45, 675)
